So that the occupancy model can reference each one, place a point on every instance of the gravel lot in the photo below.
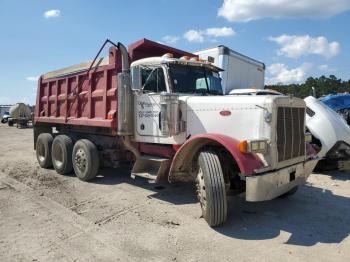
(48, 217)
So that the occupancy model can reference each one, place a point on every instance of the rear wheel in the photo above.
(10, 122)
(85, 159)
(211, 189)
(43, 150)
(62, 148)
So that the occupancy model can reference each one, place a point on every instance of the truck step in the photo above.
(150, 167)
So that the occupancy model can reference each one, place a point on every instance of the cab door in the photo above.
(147, 102)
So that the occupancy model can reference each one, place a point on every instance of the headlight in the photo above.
(308, 137)
(253, 146)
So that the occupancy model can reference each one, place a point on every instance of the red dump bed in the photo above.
(73, 97)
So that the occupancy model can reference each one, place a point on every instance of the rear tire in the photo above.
(211, 189)
(43, 150)
(62, 148)
(10, 122)
(86, 161)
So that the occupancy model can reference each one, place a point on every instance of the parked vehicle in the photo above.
(330, 133)
(5, 117)
(20, 115)
(162, 114)
(339, 103)
(240, 71)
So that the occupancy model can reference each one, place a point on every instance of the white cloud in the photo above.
(280, 73)
(170, 39)
(294, 46)
(52, 13)
(248, 10)
(326, 68)
(220, 32)
(200, 36)
(194, 36)
(32, 78)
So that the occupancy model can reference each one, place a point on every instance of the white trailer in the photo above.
(241, 71)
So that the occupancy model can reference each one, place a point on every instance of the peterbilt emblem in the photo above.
(225, 113)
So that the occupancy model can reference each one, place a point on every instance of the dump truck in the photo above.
(161, 111)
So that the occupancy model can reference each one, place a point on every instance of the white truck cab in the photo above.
(254, 144)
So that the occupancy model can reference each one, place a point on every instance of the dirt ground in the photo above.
(48, 217)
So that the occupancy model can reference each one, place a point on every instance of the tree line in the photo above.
(323, 85)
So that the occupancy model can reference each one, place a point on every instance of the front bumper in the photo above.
(270, 185)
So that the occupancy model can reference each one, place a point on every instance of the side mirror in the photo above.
(136, 83)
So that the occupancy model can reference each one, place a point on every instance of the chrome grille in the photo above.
(290, 133)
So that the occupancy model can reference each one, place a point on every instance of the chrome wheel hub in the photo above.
(80, 160)
(201, 193)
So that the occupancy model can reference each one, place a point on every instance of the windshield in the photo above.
(194, 79)
(337, 102)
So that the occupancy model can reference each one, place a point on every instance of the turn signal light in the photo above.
(243, 146)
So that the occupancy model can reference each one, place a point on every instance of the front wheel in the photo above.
(86, 161)
(211, 189)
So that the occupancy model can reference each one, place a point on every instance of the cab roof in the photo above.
(152, 61)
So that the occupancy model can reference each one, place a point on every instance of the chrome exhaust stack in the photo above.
(125, 103)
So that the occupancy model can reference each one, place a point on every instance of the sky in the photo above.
(295, 39)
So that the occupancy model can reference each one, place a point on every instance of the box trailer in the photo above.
(240, 71)
(162, 115)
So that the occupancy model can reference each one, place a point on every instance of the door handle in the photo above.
(159, 120)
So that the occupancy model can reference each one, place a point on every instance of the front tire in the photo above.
(86, 161)
(211, 189)
(43, 150)
(62, 148)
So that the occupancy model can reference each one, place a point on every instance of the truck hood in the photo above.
(326, 125)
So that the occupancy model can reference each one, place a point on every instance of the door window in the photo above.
(153, 80)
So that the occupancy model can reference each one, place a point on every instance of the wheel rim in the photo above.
(201, 193)
(58, 155)
(41, 152)
(80, 160)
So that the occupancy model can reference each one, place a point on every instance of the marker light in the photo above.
(168, 55)
(185, 58)
(194, 59)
